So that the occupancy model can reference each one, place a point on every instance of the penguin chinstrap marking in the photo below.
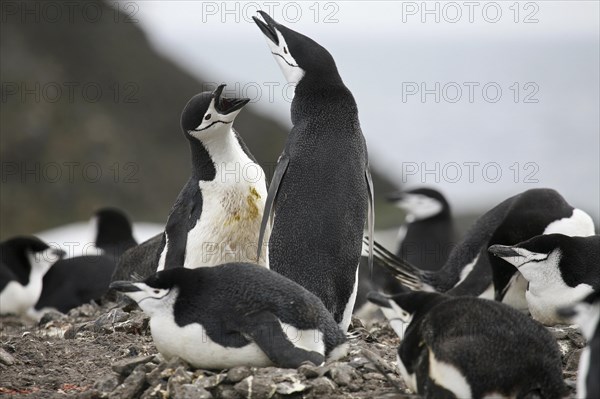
(235, 314)
(454, 347)
(471, 270)
(586, 314)
(23, 263)
(321, 188)
(560, 271)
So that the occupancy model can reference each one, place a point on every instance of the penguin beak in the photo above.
(267, 27)
(395, 196)
(59, 253)
(379, 299)
(227, 105)
(503, 251)
(566, 313)
(124, 286)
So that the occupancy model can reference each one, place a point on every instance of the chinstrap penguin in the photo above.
(24, 261)
(560, 271)
(586, 314)
(233, 315)
(114, 232)
(321, 193)
(216, 216)
(466, 347)
(74, 281)
(471, 270)
(427, 235)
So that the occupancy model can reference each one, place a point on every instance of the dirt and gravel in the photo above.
(107, 352)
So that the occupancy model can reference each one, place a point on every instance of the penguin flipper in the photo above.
(265, 330)
(409, 275)
(280, 170)
(370, 215)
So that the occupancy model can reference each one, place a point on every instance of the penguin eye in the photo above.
(285, 50)
(207, 117)
(156, 291)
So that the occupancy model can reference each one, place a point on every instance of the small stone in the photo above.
(322, 386)
(255, 387)
(108, 383)
(132, 386)
(573, 360)
(125, 366)
(210, 382)
(50, 317)
(308, 371)
(237, 374)
(576, 338)
(352, 387)
(226, 392)
(6, 358)
(155, 392)
(179, 377)
(155, 376)
(189, 391)
(342, 374)
(374, 376)
(288, 388)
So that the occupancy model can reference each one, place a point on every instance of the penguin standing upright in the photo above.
(560, 271)
(216, 217)
(321, 187)
(587, 315)
(465, 347)
(427, 235)
(23, 263)
(472, 270)
(235, 314)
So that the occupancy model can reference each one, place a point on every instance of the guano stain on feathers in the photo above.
(240, 213)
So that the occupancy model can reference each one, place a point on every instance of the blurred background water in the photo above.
(481, 100)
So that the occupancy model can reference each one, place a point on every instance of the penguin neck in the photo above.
(216, 152)
(316, 96)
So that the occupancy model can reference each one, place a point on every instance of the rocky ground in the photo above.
(107, 352)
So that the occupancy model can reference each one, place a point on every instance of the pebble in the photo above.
(323, 386)
(237, 374)
(6, 358)
(255, 388)
(125, 366)
(107, 383)
(189, 391)
(132, 386)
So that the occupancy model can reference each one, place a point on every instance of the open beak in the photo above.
(503, 251)
(124, 286)
(267, 27)
(379, 299)
(227, 105)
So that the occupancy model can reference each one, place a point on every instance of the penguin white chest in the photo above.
(229, 224)
(192, 344)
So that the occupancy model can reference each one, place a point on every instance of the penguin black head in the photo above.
(421, 203)
(209, 112)
(527, 255)
(112, 227)
(296, 54)
(25, 253)
(156, 292)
